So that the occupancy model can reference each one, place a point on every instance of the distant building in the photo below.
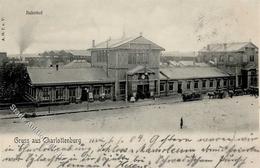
(179, 56)
(78, 64)
(66, 56)
(80, 54)
(239, 59)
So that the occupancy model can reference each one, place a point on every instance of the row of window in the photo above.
(231, 58)
(138, 58)
(196, 84)
(32, 91)
(72, 92)
(102, 56)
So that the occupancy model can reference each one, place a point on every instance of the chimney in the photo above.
(225, 46)
(141, 34)
(93, 43)
(57, 67)
(208, 47)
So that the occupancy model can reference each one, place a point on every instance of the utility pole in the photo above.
(126, 89)
(107, 54)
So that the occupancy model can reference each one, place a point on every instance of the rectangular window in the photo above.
(231, 82)
(59, 93)
(122, 88)
(211, 83)
(244, 58)
(188, 85)
(34, 92)
(231, 59)
(170, 86)
(138, 57)
(252, 59)
(225, 82)
(130, 58)
(196, 84)
(218, 83)
(102, 56)
(72, 92)
(221, 58)
(46, 93)
(96, 90)
(107, 90)
(162, 87)
(204, 83)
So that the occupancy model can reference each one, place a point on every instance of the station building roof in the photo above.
(192, 72)
(63, 76)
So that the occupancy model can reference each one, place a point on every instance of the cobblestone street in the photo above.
(228, 115)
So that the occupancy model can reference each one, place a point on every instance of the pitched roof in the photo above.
(114, 43)
(192, 72)
(50, 76)
(227, 47)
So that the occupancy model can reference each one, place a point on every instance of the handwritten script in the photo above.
(132, 151)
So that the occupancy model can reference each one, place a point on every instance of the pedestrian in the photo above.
(181, 124)
(231, 93)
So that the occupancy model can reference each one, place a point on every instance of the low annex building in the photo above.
(193, 79)
(64, 85)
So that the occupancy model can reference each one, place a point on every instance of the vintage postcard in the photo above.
(129, 83)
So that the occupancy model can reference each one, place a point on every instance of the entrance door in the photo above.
(244, 78)
(143, 91)
(84, 94)
(179, 87)
(146, 91)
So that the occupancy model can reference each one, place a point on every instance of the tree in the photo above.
(15, 80)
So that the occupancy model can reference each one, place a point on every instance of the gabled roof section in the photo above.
(115, 43)
(227, 47)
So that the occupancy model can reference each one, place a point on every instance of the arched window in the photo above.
(230, 58)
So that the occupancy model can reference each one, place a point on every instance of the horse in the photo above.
(211, 95)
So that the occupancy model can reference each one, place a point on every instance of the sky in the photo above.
(176, 25)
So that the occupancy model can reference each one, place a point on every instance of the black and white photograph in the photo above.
(129, 83)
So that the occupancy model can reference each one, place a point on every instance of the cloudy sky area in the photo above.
(182, 25)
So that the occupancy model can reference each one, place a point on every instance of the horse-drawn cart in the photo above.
(191, 96)
(217, 94)
(253, 91)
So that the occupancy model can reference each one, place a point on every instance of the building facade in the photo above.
(65, 85)
(130, 67)
(238, 59)
(177, 80)
(133, 62)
